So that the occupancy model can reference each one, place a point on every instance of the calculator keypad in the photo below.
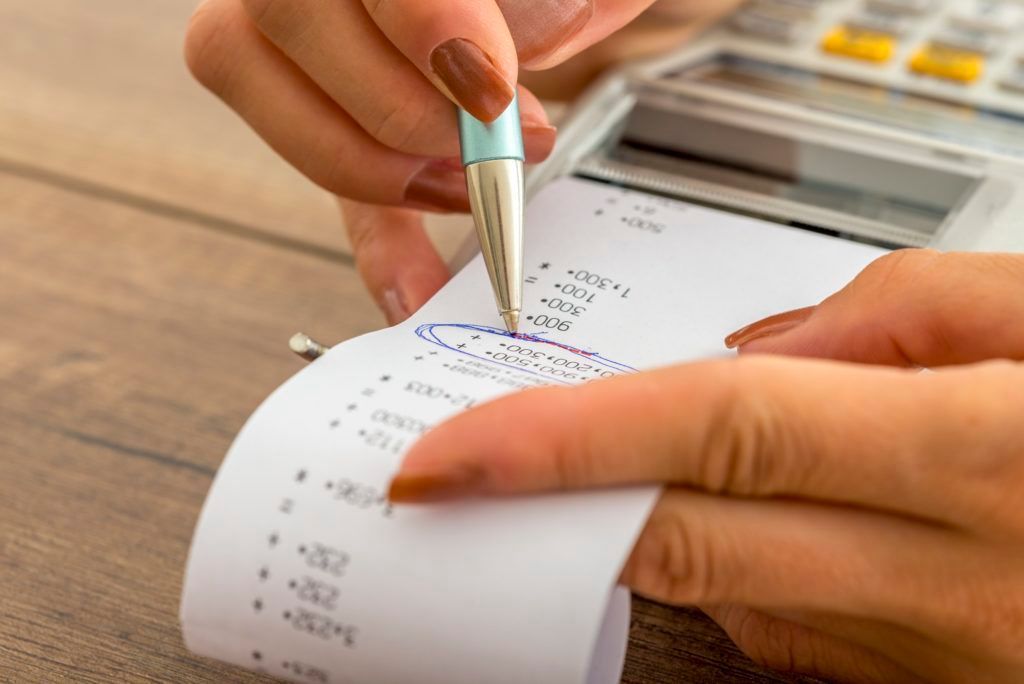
(973, 47)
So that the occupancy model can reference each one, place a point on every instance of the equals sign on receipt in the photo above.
(531, 279)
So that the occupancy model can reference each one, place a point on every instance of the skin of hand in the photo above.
(845, 516)
(357, 95)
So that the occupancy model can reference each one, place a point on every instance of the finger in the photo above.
(548, 32)
(538, 134)
(969, 652)
(760, 426)
(395, 257)
(229, 56)
(337, 45)
(462, 46)
(909, 308)
(539, 28)
(802, 557)
(793, 647)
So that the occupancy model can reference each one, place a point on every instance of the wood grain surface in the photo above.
(98, 93)
(154, 259)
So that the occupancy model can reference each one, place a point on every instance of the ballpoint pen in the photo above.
(492, 155)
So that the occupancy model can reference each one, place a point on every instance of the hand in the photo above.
(854, 522)
(356, 94)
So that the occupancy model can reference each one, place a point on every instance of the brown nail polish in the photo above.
(438, 187)
(540, 27)
(434, 485)
(773, 325)
(472, 78)
(538, 141)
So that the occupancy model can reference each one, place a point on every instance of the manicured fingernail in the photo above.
(538, 141)
(435, 484)
(773, 325)
(540, 27)
(438, 186)
(394, 306)
(472, 78)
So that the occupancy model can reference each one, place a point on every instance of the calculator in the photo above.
(969, 51)
(894, 122)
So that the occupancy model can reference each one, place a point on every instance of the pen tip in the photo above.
(511, 320)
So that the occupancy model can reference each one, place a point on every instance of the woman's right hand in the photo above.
(357, 95)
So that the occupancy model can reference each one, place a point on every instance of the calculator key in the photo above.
(914, 7)
(991, 16)
(949, 63)
(761, 23)
(883, 22)
(1014, 81)
(851, 41)
(969, 40)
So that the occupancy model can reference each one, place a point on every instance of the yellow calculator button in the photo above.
(850, 41)
(947, 62)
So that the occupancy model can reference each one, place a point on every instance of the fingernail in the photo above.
(394, 306)
(538, 141)
(773, 325)
(438, 186)
(472, 78)
(539, 28)
(436, 484)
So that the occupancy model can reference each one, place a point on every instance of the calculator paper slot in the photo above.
(791, 174)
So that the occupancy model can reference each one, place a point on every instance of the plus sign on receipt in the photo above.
(301, 568)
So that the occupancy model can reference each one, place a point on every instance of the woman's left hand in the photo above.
(854, 522)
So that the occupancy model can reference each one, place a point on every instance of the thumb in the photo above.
(909, 308)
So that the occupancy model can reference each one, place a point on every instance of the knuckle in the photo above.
(403, 126)
(749, 449)
(332, 173)
(674, 561)
(896, 269)
(289, 24)
(574, 458)
(274, 17)
(767, 641)
(572, 469)
(376, 8)
(209, 44)
(365, 238)
(325, 161)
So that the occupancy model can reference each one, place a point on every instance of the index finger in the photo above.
(757, 427)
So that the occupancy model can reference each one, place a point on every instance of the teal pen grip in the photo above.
(500, 139)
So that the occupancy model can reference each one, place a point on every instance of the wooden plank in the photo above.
(135, 346)
(101, 95)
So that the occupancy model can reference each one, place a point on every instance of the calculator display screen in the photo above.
(937, 118)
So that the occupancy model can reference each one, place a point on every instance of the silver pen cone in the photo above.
(496, 199)
(511, 321)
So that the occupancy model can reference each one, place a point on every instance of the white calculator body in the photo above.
(896, 122)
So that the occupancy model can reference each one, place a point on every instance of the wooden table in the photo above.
(154, 259)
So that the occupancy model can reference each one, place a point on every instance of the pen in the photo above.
(492, 155)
